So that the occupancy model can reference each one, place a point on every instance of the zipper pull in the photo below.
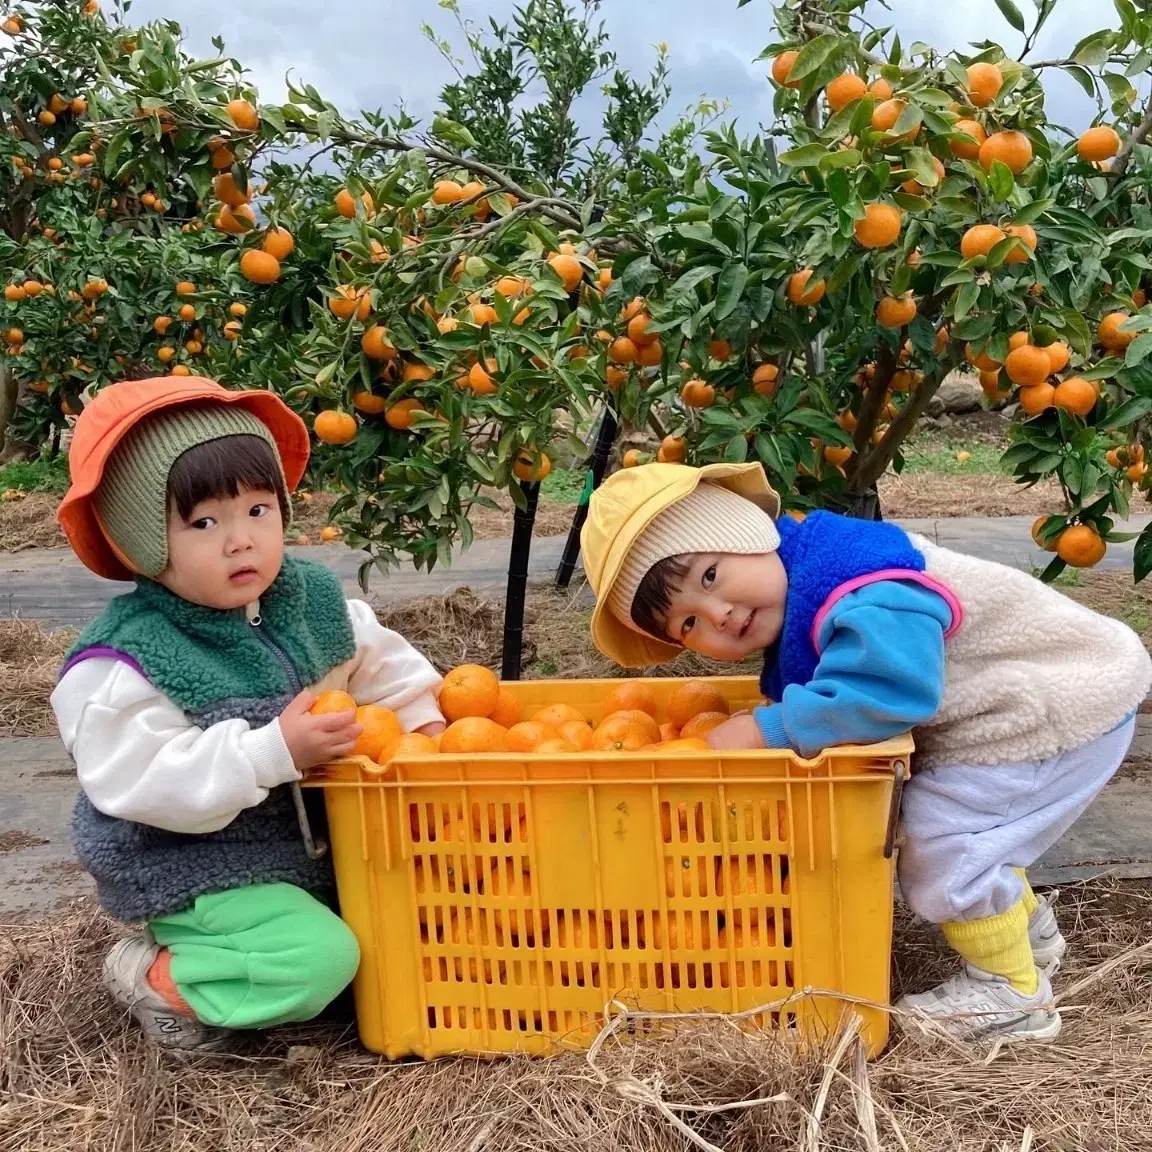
(252, 614)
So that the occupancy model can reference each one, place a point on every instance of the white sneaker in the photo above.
(1048, 945)
(974, 1004)
(126, 978)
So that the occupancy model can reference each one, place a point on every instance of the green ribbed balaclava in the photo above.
(132, 499)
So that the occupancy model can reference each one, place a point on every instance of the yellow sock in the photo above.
(1029, 897)
(998, 944)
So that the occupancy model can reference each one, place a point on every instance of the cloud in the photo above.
(372, 53)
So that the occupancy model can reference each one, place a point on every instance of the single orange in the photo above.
(693, 697)
(880, 89)
(531, 466)
(469, 690)
(984, 84)
(380, 729)
(915, 188)
(698, 394)
(782, 68)
(800, 294)
(333, 701)
(879, 227)
(376, 345)
(557, 746)
(400, 415)
(979, 358)
(558, 715)
(1028, 365)
(1037, 525)
(703, 723)
(630, 695)
(885, 115)
(623, 351)
(1099, 143)
(1080, 546)
(1075, 395)
(367, 402)
(347, 302)
(685, 744)
(333, 427)
(507, 711)
(346, 204)
(896, 311)
(1022, 252)
(474, 734)
(1011, 148)
(528, 735)
(621, 733)
(577, 732)
(568, 268)
(1109, 333)
(846, 88)
(1059, 354)
(1036, 399)
(979, 240)
(961, 149)
(278, 242)
(672, 450)
(410, 744)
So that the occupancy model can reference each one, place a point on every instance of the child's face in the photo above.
(728, 606)
(228, 552)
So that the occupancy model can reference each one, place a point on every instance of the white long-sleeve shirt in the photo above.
(138, 756)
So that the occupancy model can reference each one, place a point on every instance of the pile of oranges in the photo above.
(483, 717)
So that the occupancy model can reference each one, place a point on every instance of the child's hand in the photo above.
(315, 740)
(436, 728)
(740, 732)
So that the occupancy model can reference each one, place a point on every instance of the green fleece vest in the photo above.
(215, 666)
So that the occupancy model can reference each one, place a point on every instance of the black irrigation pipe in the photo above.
(522, 523)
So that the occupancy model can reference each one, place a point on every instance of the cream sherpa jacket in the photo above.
(1029, 673)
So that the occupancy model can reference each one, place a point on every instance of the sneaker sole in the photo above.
(1024, 1036)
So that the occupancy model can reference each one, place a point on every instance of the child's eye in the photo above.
(203, 524)
(258, 510)
(709, 576)
(688, 625)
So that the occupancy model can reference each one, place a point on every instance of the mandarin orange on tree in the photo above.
(802, 292)
(879, 227)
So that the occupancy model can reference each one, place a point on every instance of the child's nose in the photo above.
(718, 613)
(239, 540)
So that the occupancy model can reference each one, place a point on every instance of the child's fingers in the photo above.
(300, 704)
(336, 722)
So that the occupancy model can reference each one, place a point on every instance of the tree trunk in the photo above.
(9, 397)
(522, 523)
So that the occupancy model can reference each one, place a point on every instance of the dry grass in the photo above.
(914, 495)
(74, 1075)
(29, 660)
(30, 523)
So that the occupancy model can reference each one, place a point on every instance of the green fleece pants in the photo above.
(257, 957)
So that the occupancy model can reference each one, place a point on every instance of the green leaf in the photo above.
(957, 73)
(1128, 413)
(815, 54)
(1033, 211)
(910, 120)
(1011, 13)
(1119, 88)
(1083, 78)
(1093, 50)
(1138, 350)
(807, 156)
(841, 158)
(729, 288)
(965, 300)
(1000, 251)
(920, 161)
(1142, 555)
(942, 259)
(844, 271)
(960, 276)
(1001, 180)
(692, 278)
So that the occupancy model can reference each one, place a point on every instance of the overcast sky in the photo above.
(371, 53)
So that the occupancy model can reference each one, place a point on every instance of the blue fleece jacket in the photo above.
(880, 671)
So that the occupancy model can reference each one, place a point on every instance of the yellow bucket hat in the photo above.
(620, 510)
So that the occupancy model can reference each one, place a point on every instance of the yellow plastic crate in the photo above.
(503, 900)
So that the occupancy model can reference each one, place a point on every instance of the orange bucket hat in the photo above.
(115, 410)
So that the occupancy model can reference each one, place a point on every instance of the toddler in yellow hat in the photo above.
(868, 631)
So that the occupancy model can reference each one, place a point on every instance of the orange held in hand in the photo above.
(331, 702)
(470, 690)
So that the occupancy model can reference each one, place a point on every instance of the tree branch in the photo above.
(1137, 136)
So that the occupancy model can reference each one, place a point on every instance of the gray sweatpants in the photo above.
(966, 827)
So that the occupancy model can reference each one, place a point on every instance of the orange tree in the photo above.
(437, 300)
(106, 270)
(913, 213)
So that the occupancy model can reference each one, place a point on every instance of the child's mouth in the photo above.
(748, 623)
(244, 575)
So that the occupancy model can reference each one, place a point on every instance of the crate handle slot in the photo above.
(899, 769)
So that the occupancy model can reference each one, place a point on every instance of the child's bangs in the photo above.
(223, 468)
(653, 598)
